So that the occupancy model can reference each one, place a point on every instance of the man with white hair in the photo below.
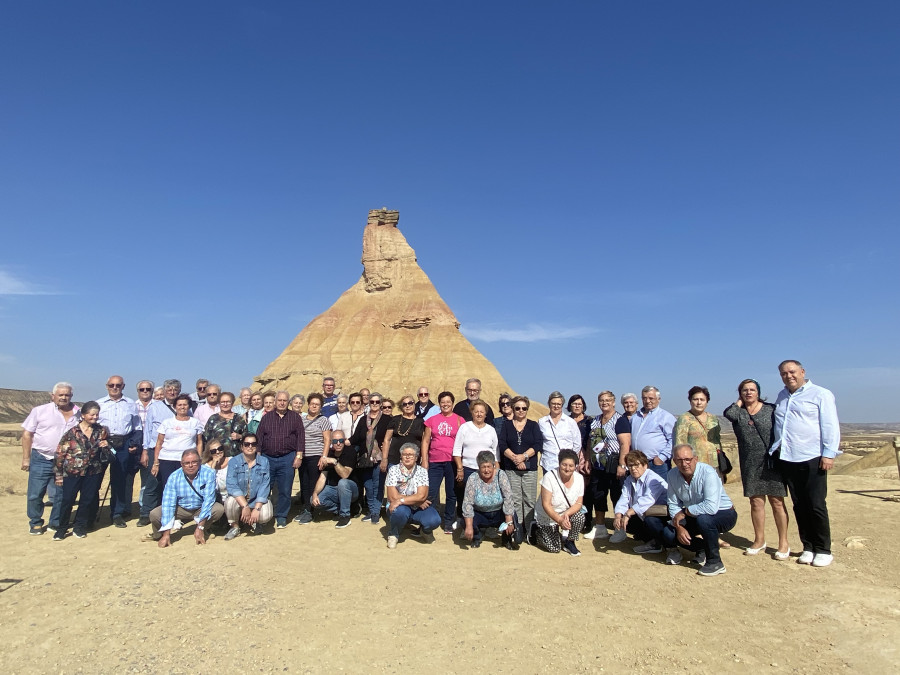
(473, 393)
(43, 428)
(120, 416)
(651, 431)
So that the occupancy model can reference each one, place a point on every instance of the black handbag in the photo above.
(724, 465)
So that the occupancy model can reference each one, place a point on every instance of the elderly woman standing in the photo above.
(504, 405)
(296, 404)
(248, 482)
(254, 413)
(403, 428)
(488, 502)
(81, 459)
(437, 456)
(369, 437)
(518, 444)
(407, 493)
(605, 457)
(559, 432)
(318, 444)
(175, 435)
(244, 405)
(700, 430)
(225, 426)
(753, 421)
(560, 514)
(342, 419)
(473, 437)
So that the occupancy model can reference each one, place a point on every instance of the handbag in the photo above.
(724, 465)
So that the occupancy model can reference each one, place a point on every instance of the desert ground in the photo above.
(314, 599)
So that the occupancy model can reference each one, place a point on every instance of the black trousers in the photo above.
(808, 486)
(309, 475)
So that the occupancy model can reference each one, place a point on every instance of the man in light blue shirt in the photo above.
(651, 431)
(120, 415)
(807, 439)
(157, 411)
(699, 507)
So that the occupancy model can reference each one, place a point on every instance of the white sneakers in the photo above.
(598, 532)
(392, 541)
(822, 560)
(618, 537)
(805, 558)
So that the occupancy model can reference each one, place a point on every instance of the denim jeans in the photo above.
(88, 490)
(429, 519)
(151, 492)
(370, 486)
(648, 529)
(443, 472)
(40, 478)
(661, 470)
(706, 525)
(122, 468)
(483, 519)
(337, 498)
(281, 472)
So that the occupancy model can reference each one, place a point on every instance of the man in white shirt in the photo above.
(119, 414)
(210, 405)
(807, 439)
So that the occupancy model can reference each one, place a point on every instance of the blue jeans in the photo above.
(337, 498)
(483, 519)
(281, 472)
(709, 527)
(370, 486)
(40, 479)
(446, 472)
(428, 519)
(122, 469)
(151, 492)
(662, 470)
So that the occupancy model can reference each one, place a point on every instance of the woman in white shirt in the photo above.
(176, 434)
(560, 433)
(559, 514)
(473, 437)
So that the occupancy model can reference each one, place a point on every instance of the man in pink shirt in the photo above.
(210, 405)
(43, 428)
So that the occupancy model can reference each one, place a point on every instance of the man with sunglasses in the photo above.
(200, 395)
(424, 405)
(335, 490)
(144, 401)
(119, 414)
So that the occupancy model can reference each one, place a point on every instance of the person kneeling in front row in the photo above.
(488, 502)
(699, 508)
(335, 491)
(642, 510)
(559, 513)
(190, 494)
(247, 483)
(407, 491)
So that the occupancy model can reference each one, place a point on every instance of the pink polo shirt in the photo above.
(48, 425)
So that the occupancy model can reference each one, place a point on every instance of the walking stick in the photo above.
(105, 494)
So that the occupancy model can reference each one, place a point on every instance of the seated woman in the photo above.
(248, 482)
(559, 513)
(81, 459)
(488, 502)
(644, 496)
(407, 493)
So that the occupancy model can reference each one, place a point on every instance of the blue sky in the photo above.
(607, 194)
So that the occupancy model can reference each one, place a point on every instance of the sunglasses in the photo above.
(425, 395)
(375, 402)
(145, 389)
(337, 441)
(249, 445)
(387, 407)
(505, 404)
(406, 403)
(216, 451)
(519, 408)
(355, 402)
(114, 386)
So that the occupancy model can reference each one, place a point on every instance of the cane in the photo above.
(105, 495)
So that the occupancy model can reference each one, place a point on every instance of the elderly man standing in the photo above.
(473, 393)
(199, 395)
(190, 494)
(807, 439)
(281, 435)
(156, 412)
(651, 431)
(700, 510)
(43, 428)
(209, 406)
(424, 405)
(143, 403)
(120, 415)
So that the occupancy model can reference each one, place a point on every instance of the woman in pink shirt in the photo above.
(437, 456)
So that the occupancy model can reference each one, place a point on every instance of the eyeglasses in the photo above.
(337, 441)
(212, 393)
(375, 401)
(115, 385)
(556, 405)
(201, 388)
(191, 463)
(406, 403)
(473, 391)
(145, 388)
(425, 395)
(355, 402)
(519, 408)
(249, 445)
(216, 451)
(407, 454)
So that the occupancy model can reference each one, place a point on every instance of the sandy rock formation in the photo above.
(390, 332)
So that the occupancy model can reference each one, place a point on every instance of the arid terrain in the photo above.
(315, 599)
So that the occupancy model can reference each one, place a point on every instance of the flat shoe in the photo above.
(778, 555)
(755, 551)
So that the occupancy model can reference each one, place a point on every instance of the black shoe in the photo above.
(59, 536)
(416, 531)
(342, 522)
(143, 521)
(570, 548)
(119, 521)
(80, 534)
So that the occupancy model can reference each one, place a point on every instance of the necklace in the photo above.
(400, 431)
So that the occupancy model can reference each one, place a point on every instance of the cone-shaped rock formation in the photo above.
(389, 332)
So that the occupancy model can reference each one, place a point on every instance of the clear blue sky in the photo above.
(607, 194)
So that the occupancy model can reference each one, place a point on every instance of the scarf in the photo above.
(373, 450)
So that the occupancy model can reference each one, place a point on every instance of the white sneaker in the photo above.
(806, 558)
(649, 547)
(822, 559)
(618, 537)
(598, 532)
(674, 557)
(392, 541)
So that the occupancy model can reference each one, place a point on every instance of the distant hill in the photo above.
(15, 404)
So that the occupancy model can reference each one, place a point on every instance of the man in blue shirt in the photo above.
(329, 402)
(651, 431)
(119, 414)
(190, 494)
(807, 439)
(699, 507)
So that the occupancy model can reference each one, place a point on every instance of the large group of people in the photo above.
(212, 457)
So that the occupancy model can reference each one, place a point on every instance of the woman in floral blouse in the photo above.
(81, 459)
(225, 426)
(488, 502)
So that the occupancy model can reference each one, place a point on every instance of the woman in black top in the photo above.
(518, 443)
(369, 437)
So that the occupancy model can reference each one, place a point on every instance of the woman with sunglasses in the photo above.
(518, 443)
(225, 426)
(215, 457)
(318, 445)
(369, 437)
(248, 482)
(403, 428)
(504, 404)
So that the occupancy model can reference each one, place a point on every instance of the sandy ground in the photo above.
(315, 599)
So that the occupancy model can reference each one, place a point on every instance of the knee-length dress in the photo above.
(754, 440)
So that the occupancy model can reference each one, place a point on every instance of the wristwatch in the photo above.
(200, 527)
